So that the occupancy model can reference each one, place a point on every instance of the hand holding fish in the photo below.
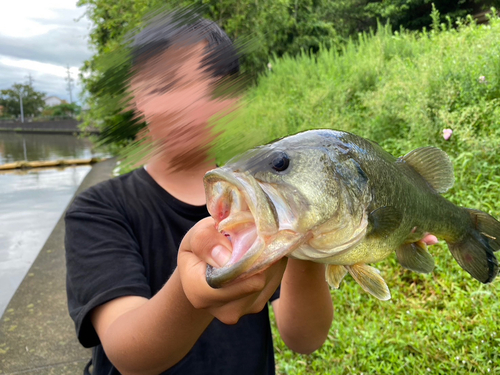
(236, 299)
(303, 312)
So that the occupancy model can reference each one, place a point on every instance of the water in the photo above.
(32, 147)
(32, 201)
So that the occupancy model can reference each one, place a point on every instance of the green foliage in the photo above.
(401, 90)
(274, 27)
(443, 323)
(32, 100)
(63, 109)
(105, 75)
(416, 14)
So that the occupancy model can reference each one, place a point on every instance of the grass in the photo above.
(441, 323)
(401, 90)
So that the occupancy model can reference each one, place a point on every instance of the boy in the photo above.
(138, 245)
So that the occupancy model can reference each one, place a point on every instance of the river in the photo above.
(32, 201)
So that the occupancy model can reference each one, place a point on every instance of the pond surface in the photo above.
(32, 201)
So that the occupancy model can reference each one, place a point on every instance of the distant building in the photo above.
(1, 110)
(51, 101)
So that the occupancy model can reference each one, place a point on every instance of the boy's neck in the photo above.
(185, 184)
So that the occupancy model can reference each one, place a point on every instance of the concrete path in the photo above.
(37, 335)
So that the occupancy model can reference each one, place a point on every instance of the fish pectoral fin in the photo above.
(433, 165)
(415, 257)
(370, 280)
(383, 221)
(335, 274)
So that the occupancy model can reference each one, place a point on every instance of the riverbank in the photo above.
(55, 127)
(36, 334)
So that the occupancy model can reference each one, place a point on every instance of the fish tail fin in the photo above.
(475, 252)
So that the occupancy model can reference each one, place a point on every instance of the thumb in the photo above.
(207, 244)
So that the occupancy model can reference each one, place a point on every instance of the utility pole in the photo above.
(21, 101)
(30, 80)
(69, 86)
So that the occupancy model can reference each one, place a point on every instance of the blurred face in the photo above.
(175, 95)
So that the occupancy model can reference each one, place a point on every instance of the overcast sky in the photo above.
(42, 38)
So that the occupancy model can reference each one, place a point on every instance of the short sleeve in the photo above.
(276, 294)
(103, 258)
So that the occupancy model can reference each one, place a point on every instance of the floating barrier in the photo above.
(48, 163)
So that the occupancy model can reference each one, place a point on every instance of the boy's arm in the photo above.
(148, 336)
(304, 311)
(142, 336)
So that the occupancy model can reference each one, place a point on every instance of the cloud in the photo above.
(60, 46)
(52, 41)
(44, 81)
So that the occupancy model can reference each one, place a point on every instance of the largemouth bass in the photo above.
(336, 198)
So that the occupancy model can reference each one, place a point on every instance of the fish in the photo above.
(335, 198)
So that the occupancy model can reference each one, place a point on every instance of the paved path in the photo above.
(37, 335)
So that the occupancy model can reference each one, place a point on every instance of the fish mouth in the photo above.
(245, 214)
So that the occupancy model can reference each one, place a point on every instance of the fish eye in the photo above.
(280, 162)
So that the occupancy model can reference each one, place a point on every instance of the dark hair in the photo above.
(166, 28)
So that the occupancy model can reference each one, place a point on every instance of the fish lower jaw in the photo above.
(241, 260)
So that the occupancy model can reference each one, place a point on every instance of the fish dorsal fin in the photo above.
(383, 221)
(335, 274)
(415, 257)
(370, 280)
(434, 165)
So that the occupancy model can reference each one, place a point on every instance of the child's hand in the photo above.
(204, 244)
(430, 239)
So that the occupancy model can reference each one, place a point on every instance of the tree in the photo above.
(416, 14)
(276, 28)
(63, 109)
(32, 100)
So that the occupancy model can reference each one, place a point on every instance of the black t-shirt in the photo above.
(122, 238)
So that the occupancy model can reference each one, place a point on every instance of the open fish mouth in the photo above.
(245, 214)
